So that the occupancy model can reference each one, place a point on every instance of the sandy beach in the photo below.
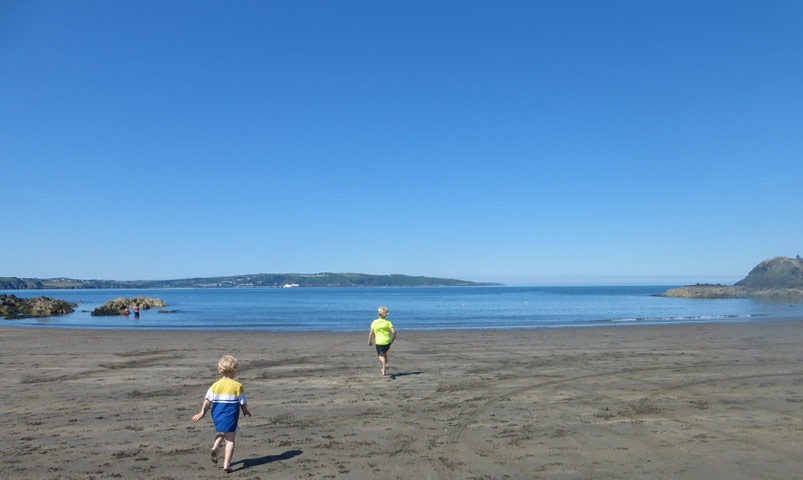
(716, 401)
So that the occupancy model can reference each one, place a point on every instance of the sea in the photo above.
(413, 308)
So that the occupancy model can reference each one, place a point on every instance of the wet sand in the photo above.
(717, 401)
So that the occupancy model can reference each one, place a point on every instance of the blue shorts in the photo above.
(382, 349)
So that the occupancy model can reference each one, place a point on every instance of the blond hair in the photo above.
(227, 365)
(383, 311)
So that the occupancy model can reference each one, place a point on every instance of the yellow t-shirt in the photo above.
(381, 328)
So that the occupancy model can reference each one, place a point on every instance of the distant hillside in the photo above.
(14, 283)
(264, 280)
(779, 272)
(780, 278)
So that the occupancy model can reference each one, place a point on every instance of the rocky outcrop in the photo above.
(13, 307)
(119, 305)
(780, 278)
(779, 272)
(702, 290)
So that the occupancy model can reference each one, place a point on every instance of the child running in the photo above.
(381, 329)
(225, 397)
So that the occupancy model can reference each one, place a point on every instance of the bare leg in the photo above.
(215, 446)
(384, 360)
(229, 450)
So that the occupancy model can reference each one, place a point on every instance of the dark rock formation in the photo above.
(119, 305)
(780, 278)
(13, 307)
(706, 291)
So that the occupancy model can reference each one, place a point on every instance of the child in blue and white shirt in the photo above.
(225, 397)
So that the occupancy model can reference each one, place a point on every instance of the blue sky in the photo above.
(538, 142)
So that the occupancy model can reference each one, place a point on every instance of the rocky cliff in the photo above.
(780, 278)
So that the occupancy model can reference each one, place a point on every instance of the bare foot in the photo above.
(213, 456)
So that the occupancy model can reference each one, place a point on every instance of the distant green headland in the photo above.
(260, 280)
(780, 278)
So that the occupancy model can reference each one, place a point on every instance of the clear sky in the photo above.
(527, 142)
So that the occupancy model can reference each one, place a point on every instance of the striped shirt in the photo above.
(226, 396)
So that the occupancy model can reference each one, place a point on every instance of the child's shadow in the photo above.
(394, 375)
(254, 462)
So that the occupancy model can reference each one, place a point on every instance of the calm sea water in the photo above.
(442, 308)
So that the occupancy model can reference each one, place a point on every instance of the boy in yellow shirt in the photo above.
(381, 329)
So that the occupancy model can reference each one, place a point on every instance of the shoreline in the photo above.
(599, 324)
(684, 401)
(471, 309)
